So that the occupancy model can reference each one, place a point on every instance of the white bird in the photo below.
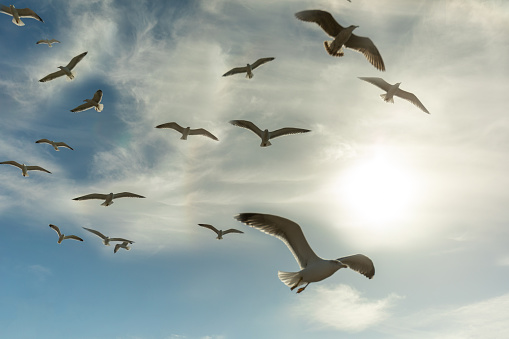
(187, 131)
(47, 41)
(313, 268)
(342, 37)
(106, 240)
(24, 168)
(124, 245)
(393, 90)
(62, 236)
(249, 68)
(89, 103)
(65, 70)
(18, 13)
(266, 135)
(108, 198)
(54, 144)
(220, 233)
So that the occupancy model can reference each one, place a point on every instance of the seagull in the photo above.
(54, 144)
(108, 198)
(393, 90)
(313, 268)
(46, 41)
(125, 245)
(17, 14)
(62, 236)
(342, 37)
(106, 240)
(266, 135)
(220, 233)
(187, 131)
(89, 103)
(249, 68)
(24, 168)
(65, 70)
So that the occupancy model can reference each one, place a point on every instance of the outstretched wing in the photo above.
(99, 234)
(126, 195)
(359, 263)
(63, 144)
(260, 62)
(232, 230)
(28, 13)
(98, 96)
(82, 107)
(73, 237)
(378, 82)
(13, 163)
(287, 131)
(204, 132)
(249, 125)
(172, 125)
(412, 98)
(323, 19)
(122, 239)
(92, 196)
(236, 70)
(5, 9)
(210, 227)
(37, 168)
(52, 76)
(74, 61)
(367, 47)
(56, 229)
(54, 41)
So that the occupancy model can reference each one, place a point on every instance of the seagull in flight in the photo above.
(108, 198)
(313, 268)
(62, 236)
(342, 37)
(187, 131)
(124, 245)
(18, 13)
(89, 103)
(266, 135)
(248, 69)
(47, 41)
(106, 240)
(393, 90)
(220, 233)
(54, 144)
(65, 70)
(24, 168)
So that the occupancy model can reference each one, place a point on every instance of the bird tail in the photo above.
(107, 204)
(265, 144)
(290, 278)
(383, 96)
(339, 53)
(100, 108)
(20, 23)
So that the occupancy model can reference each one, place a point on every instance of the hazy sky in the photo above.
(424, 196)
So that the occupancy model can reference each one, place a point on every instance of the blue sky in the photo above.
(424, 196)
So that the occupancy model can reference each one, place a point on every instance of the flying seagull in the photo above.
(47, 41)
(342, 37)
(393, 90)
(124, 245)
(108, 198)
(220, 233)
(266, 135)
(62, 236)
(187, 131)
(249, 68)
(313, 268)
(17, 14)
(67, 70)
(106, 240)
(54, 144)
(89, 103)
(24, 168)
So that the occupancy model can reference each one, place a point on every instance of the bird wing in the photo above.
(286, 230)
(172, 125)
(54, 41)
(43, 141)
(82, 107)
(287, 131)
(37, 168)
(74, 61)
(56, 229)
(210, 227)
(52, 76)
(98, 96)
(232, 230)
(5, 9)
(236, 70)
(412, 98)
(249, 125)
(323, 19)
(117, 246)
(28, 13)
(260, 62)
(73, 237)
(367, 47)
(41, 42)
(92, 196)
(63, 144)
(122, 239)
(378, 82)
(359, 263)
(13, 163)
(126, 195)
(201, 131)
(99, 234)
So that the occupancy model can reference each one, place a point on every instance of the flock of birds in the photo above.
(312, 267)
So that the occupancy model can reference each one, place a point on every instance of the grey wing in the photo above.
(82, 107)
(73, 237)
(13, 163)
(210, 227)
(74, 61)
(98, 96)
(41, 42)
(5, 9)
(287, 131)
(54, 41)
(52, 76)
(63, 144)
(367, 47)
(359, 263)
(260, 62)
(204, 132)
(172, 125)
(99, 234)
(249, 125)
(92, 196)
(286, 230)
(126, 195)
(236, 70)
(323, 19)
(28, 13)
(43, 141)
(37, 168)
(56, 229)
(378, 82)
(232, 230)
(122, 239)
(412, 98)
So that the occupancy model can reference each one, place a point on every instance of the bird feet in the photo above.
(297, 284)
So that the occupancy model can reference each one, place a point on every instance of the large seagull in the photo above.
(188, 131)
(24, 168)
(266, 135)
(65, 70)
(108, 198)
(95, 102)
(18, 13)
(248, 69)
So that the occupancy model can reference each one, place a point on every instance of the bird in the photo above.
(106, 240)
(342, 37)
(249, 68)
(393, 90)
(54, 144)
(89, 103)
(220, 233)
(18, 13)
(108, 198)
(266, 135)
(62, 236)
(65, 70)
(47, 41)
(24, 168)
(124, 245)
(313, 268)
(187, 131)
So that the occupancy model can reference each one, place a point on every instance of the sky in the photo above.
(424, 196)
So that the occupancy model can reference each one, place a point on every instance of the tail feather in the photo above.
(20, 23)
(106, 203)
(290, 278)
(339, 53)
(100, 108)
(383, 96)
(265, 144)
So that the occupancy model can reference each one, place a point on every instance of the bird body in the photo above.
(249, 68)
(266, 135)
(106, 240)
(89, 103)
(18, 13)
(124, 245)
(65, 70)
(220, 233)
(108, 198)
(24, 168)
(187, 131)
(62, 237)
(48, 42)
(54, 144)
